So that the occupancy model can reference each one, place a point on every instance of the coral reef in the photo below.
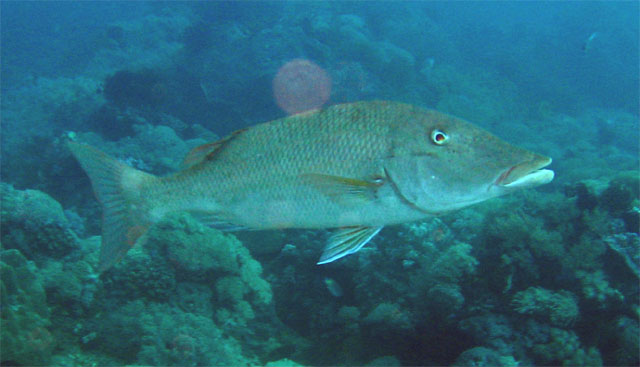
(210, 275)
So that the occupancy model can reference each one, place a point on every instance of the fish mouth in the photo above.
(526, 174)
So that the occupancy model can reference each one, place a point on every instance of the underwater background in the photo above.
(548, 276)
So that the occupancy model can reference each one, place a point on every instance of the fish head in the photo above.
(441, 163)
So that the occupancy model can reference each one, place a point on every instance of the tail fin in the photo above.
(117, 187)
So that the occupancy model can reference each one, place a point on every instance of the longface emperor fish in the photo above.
(356, 167)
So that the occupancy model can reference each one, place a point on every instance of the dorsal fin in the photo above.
(207, 151)
(199, 153)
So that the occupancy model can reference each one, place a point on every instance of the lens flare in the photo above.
(301, 85)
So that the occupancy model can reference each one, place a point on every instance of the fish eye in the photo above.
(439, 137)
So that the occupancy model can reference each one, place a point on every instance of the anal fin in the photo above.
(347, 241)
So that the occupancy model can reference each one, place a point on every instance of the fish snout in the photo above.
(528, 173)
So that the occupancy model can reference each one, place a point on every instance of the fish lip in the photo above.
(523, 169)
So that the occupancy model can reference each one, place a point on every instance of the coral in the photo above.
(627, 245)
(200, 253)
(193, 248)
(589, 357)
(490, 330)
(140, 275)
(118, 330)
(195, 298)
(390, 315)
(251, 274)
(564, 348)
(560, 308)
(30, 206)
(596, 287)
(585, 253)
(160, 146)
(433, 231)
(547, 231)
(445, 299)
(348, 314)
(231, 288)
(621, 192)
(481, 356)
(72, 284)
(586, 199)
(626, 341)
(35, 223)
(454, 263)
(25, 315)
(150, 333)
(179, 260)
(519, 229)
(171, 337)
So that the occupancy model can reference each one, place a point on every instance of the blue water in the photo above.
(545, 276)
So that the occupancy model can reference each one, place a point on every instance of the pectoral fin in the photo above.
(347, 241)
(345, 190)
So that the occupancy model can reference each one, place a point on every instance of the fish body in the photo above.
(586, 46)
(357, 166)
(333, 287)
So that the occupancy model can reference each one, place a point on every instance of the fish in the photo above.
(333, 287)
(355, 167)
(586, 46)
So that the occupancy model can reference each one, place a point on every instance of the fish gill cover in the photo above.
(543, 276)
